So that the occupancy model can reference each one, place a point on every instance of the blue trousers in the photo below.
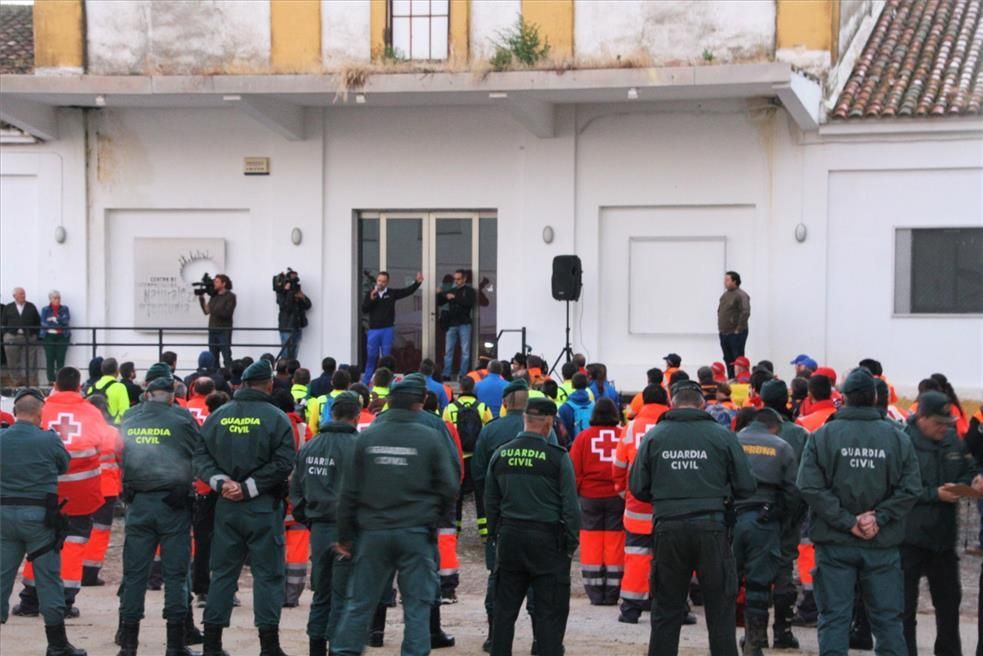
(838, 568)
(460, 333)
(220, 343)
(378, 344)
(290, 343)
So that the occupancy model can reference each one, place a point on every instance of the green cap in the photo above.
(681, 385)
(159, 370)
(347, 401)
(413, 385)
(165, 383)
(517, 385)
(259, 370)
(774, 392)
(935, 405)
(859, 380)
(541, 407)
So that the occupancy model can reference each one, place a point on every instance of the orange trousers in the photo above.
(638, 564)
(449, 565)
(806, 563)
(298, 552)
(95, 550)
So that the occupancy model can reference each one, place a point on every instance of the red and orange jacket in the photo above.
(819, 412)
(638, 514)
(592, 453)
(84, 431)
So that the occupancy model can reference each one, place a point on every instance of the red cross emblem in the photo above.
(639, 434)
(198, 414)
(604, 445)
(66, 426)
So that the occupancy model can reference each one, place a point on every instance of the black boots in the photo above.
(212, 641)
(378, 629)
(269, 641)
(319, 647)
(438, 639)
(782, 629)
(176, 645)
(58, 644)
(755, 634)
(486, 646)
(129, 638)
(860, 636)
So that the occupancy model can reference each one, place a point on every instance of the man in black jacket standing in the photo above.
(21, 323)
(292, 318)
(380, 306)
(459, 301)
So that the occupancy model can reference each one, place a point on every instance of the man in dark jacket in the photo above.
(860, 477)
(21, 325)
(322, 384)
(220, 307)
(380, 307)
(292, 317)
(208, 368)
(457, 320)
(733, 313)
(929, 547)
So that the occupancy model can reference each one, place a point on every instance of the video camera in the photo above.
(206, 286)
(281, 279)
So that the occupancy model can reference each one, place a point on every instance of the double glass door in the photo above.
(435, 244)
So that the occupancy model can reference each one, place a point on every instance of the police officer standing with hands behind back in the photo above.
(246, 455)
(860, 477)
(688, 467)
(159, 440)
(534, 517)
(30, 462)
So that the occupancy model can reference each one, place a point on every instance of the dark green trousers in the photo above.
(329, 581)
(410, 553)
(55, 347)
(253, 528)
(22, 531)
(838, 569)
(757, 552)
(151, 523)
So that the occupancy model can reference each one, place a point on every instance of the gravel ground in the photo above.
(591, 630)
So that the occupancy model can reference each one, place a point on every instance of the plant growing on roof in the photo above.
(521, 44)
(393, 55)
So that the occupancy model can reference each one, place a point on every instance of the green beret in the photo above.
(541, 407)
(159, 370)
(517, 385)
(346, 401)
(412, 385)
(935, 405)
(161, 383)
(774, 392)
(681, 385)
(859, 380)
(259, 370)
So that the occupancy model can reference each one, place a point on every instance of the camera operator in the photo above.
(220, 308)
(292, 318)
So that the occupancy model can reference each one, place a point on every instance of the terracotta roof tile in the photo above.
(923, 58)
(16, 39)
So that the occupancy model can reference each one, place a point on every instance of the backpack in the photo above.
(468, 425)
(101, 391)
(581, 418)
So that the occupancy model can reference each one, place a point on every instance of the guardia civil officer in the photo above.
(774, 395)
(688, 466)
(246, 454)
(314, 489)
(860, 477)
(400, 483)
(497, 432)
(929, 547)
(534, 518)
(30, 462)
(758, 528)
(159, 440)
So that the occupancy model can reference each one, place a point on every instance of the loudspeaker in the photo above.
(567, 272)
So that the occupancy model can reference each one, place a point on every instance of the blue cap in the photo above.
(805, 361)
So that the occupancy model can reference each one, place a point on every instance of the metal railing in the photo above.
(162, 338)
(521, 331)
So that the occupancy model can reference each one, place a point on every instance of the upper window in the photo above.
(938, 271)
(418, 29)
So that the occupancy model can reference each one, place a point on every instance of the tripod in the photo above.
(567, 349)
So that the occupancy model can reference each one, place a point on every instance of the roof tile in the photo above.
(923, 58)
(16, 39)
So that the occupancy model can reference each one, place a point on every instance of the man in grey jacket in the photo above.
(733, 313)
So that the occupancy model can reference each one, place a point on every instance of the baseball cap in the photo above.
(935, 405)
(799, 358)
(858, 380)
(741, 361)
(673, 359)
(829, 372)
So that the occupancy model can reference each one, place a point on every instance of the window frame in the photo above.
(903, 287)
(430, 17)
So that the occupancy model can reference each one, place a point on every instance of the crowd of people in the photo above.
(819, 499)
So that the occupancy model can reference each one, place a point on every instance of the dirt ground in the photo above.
(591, 630)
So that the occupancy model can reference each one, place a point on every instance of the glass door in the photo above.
(438, 244)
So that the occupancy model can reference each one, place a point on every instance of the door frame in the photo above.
(429, 288)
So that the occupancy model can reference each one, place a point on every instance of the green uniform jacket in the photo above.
(795, 435)
(494, 434)
(316, 483)
(854, 463)
(159, 441)
(430, 420)
(400, 477)
(688, 463)
(31, 460)
(931, 524)
(533, 481)
(773, 463)
(248, 440)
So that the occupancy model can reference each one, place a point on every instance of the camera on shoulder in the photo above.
(205, 286)
(282, 280)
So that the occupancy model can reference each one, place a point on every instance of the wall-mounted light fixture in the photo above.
(60, 234)
(359, 98)
(548, 234)
(100, 100)
(296, 236)
(801, 232)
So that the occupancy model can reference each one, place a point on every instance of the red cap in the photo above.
(829, 372)
(742, 361)
(718, 367)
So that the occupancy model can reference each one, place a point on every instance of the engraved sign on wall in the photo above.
(164, 270)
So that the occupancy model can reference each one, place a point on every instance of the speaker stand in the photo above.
(567, 350)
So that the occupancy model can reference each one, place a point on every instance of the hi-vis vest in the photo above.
(638, 514)
(83, 430)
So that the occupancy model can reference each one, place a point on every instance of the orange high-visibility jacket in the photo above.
(110, 458)
(820, 412)
(638, 514)
(83, 429)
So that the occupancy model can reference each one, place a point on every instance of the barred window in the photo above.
(938, 271)
(418, 29)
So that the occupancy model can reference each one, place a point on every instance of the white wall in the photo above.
(175, 37)
(488, 19)
(674, 31)
(345, 32)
